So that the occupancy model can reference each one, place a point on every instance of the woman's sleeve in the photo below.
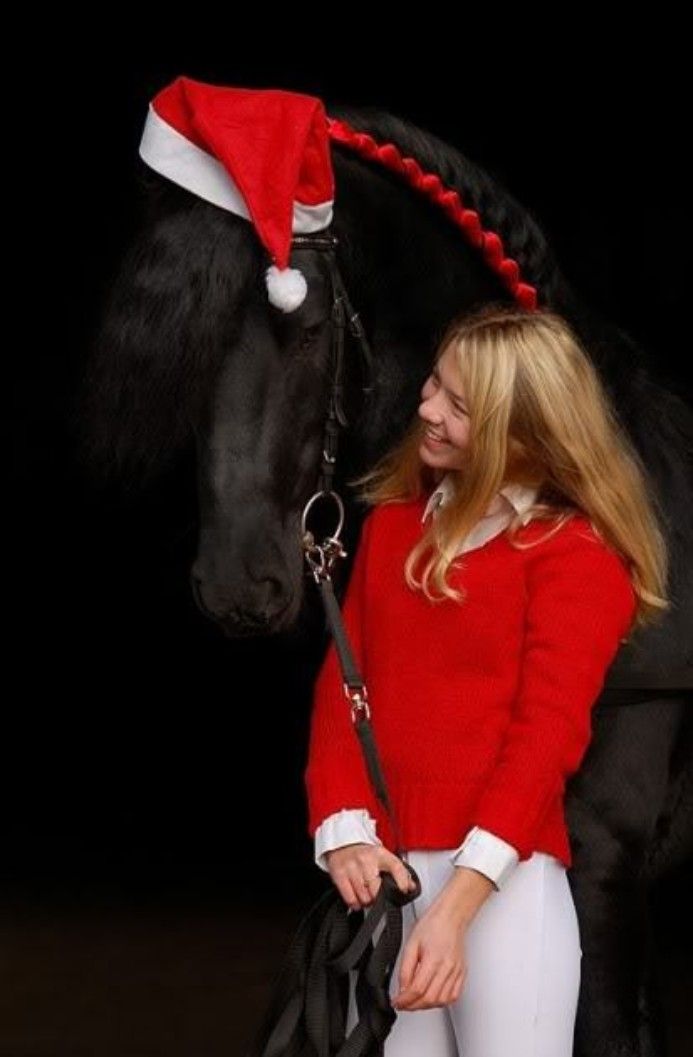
(580, 605)
(348, 826)
(491, 855)
(335, 774)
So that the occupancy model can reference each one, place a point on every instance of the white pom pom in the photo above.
(287, 289)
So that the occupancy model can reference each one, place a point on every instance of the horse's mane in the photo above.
(480, 189)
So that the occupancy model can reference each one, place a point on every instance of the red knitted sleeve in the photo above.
(335, 774)
(580, 605)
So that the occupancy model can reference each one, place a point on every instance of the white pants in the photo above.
(523, 955)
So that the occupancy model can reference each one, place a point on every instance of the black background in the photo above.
(132, 758)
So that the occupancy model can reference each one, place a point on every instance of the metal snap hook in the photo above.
(331, 547)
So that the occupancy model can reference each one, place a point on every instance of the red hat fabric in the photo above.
(263, 154)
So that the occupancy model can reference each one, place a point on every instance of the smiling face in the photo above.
(444, 410)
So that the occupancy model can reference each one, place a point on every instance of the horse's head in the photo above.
(192, 353)
(266, 440)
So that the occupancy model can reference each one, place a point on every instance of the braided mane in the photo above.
(428, 183)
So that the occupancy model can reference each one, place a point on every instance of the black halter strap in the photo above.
(342, 314)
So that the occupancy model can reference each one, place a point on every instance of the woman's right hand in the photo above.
(352, 865)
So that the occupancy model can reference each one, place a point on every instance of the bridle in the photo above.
(321, 557)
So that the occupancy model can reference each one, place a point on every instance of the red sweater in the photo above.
(480, 711)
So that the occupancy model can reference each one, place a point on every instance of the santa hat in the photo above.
(263, 154)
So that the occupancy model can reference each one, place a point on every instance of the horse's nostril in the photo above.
(269, 599)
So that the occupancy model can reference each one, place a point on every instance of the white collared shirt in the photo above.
(480, 850)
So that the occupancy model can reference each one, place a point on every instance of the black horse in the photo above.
(190, 355)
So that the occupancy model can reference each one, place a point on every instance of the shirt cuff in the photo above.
(348, 826)
(491, 855)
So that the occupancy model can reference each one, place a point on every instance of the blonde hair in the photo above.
(540, 417)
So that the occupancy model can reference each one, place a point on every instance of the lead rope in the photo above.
(310, 997)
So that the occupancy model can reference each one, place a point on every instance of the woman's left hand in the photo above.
(433, 966)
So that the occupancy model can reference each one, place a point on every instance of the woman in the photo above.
(513, 545)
